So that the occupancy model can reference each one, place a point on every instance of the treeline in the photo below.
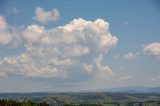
(5, 102)
(81, 105)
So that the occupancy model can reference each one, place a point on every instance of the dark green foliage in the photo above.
(5, 102)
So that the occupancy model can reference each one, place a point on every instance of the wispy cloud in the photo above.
(156, 78)
(125, 23)
(127, 77)
(15, 10)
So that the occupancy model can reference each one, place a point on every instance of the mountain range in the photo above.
(131, 89)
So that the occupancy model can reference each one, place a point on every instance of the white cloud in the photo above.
(103, 72)
(129, 56)
(8, 35)
(46, 16)
(5, 36)
(75, 49)
(88, 67)
(127, 77)
(152, 49)
(3, 23)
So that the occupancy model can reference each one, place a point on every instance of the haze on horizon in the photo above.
(55, 45)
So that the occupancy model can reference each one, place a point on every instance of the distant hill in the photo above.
(132, 89)
(155, 90)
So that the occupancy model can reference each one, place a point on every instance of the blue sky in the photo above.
(50, 45)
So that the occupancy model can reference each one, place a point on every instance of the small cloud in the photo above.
(127, 77)
(152, 49)
(129, 56)
(157, 78)
(46, 16)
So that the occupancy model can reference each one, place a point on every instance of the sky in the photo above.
(76, 45)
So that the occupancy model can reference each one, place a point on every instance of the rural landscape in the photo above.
(79, 52)
(124, 96)
(80, 99)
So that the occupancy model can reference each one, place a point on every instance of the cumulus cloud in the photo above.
(46, 16)
(152, 49)
(65, 52)
(129, 56)
(8, 35)
(5, 37)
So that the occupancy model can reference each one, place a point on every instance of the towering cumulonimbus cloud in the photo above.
(65, 52)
